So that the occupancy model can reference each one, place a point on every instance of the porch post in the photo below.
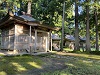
(46, 37)
(48, 40)
(35, 41)
(15, 37)
(51, 39)
(30, 40)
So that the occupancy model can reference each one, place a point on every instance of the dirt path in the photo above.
(60, 61)
(51, 65)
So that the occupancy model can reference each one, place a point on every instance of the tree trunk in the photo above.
(62, 36)
(76, 27)
(88, 47)
(29, 8)
(96, 23)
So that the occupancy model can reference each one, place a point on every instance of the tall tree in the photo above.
(96, 23)
(62, 38)
(76, 27)
(29, 7)
(88, 47)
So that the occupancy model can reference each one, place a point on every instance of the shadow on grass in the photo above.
(58, 63)
(75, 65)
(85, 52)
(17, 64)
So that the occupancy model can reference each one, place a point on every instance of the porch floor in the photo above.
(13, 53)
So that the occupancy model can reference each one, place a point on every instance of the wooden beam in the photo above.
(42, 31)
(9, 42)
(35, 41)
(51, 39)
(30, 40)
(46, 43)
(15, 39)
(48, 39)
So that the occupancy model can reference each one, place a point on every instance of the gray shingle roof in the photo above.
(55, 37)
(28, 18)
(70, 37)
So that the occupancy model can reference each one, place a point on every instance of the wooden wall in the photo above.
(18, 38)
(41, 41)
(7, 38)
(21, 37)
(23, 40)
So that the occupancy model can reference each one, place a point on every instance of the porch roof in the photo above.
(28, 18)
(72, 38)
(69, 38)
(56, 37)
(23, 19)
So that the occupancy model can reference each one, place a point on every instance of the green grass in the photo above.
(77, 64)
(18, 64)
(67, 49)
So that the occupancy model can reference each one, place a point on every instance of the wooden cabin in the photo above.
(69, 41)
(56, 40)
(24, 33)
(82, 43)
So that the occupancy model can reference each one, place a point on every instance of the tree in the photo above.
(76, 27)
(9, 5)
(88, 47)
(96, 23)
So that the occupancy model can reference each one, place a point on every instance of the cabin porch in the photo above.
(27, 40)
(24, 34)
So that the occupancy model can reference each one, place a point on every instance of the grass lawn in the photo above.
(18, 64)
(75, 64)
